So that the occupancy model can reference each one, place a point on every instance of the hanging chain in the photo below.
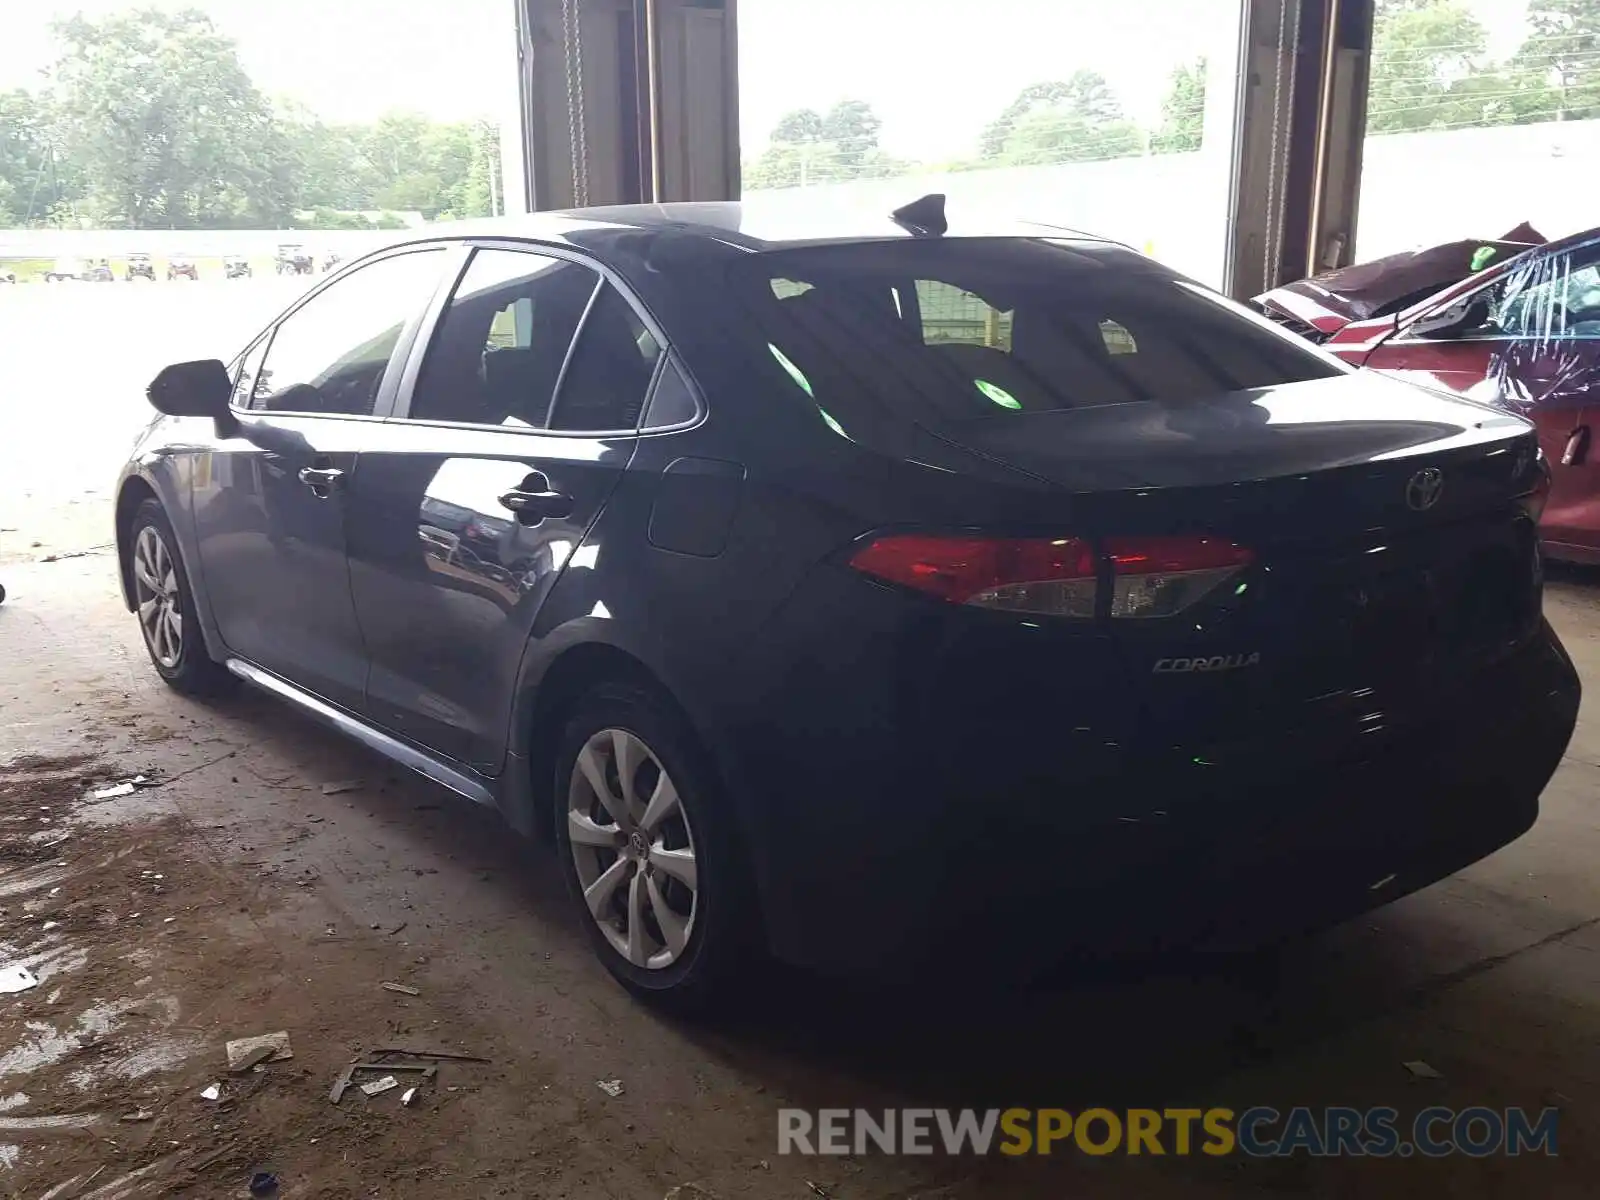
(1269, 270)
(577, 125)
(1294, 72)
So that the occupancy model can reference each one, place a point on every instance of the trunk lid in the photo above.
(1391, 555)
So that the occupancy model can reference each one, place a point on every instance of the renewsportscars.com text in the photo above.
(1260, 1132)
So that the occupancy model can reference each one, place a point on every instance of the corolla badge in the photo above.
(1215, 662)
(1424, 489)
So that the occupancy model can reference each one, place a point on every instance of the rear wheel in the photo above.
(649, 852)
(164, 604)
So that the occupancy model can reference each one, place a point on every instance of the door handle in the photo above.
(321, 480)
(1577, 447)
(533, 507)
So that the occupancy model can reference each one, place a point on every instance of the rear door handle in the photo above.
(321, 480)
(1577, 447)
(533, 507)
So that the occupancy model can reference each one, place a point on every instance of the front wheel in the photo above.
(650, 852)
(164, 604)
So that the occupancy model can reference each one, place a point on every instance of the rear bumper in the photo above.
(1005, 841)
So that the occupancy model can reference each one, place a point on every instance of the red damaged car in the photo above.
(1513, 322)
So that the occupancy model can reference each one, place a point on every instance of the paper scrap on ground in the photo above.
(611, 1087)
(17, 979)
(378, 1086)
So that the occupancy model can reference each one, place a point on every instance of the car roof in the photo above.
(754, 225)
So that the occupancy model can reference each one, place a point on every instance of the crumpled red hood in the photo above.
(1333, 299)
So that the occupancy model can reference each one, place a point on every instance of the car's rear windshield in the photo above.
(947, 330)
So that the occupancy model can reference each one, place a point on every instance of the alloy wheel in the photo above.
(155, 583)
(633, 848)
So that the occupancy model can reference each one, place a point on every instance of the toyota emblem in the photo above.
(1425, 488)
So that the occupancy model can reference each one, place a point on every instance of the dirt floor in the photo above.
(246, 893)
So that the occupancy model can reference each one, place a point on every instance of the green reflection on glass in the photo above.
(795, 373)
(998, 394)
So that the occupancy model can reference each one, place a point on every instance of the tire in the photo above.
(715, 920)
(170, 630)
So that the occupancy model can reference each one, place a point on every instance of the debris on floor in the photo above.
(138, 1115)
(343, 785)
(1421, 1070)
(378, 1086)
(611, 1087)
(451, 1055)
(263, 1183)
(405, 989)
(342, 1084)
(114, 791)
(410, 1095)
(214, 1092)
(17, 979)
(244, 1053)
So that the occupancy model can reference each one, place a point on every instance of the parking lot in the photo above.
(277, 877)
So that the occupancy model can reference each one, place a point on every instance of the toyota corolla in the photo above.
(882, 595)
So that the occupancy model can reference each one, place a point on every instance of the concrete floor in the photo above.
(287, 907)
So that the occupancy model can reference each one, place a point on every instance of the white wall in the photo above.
(1417, 189)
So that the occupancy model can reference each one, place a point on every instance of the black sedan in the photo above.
(884, 596)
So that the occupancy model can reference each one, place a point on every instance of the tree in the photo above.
(1557, 70)
(1076, 120)
(1183, 111)
(798, 128)
(808, 147)
(1428, 70)
(159, 114)
(32, 178)
(852, 128)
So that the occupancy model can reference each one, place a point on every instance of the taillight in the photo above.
(1058, 577)
(1054, 576)
(1162, 576)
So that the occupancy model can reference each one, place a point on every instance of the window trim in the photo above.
(467, 248)
(384, 401)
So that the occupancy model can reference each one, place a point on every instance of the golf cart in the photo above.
(179, 267)
(236, 266)
(140, 266)
(295, 260)
(65, 270)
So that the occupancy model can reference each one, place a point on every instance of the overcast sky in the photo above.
(936, 71)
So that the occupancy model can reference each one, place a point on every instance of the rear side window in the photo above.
(500, 347)
(329, 355)
(609, 374)
(966, 329)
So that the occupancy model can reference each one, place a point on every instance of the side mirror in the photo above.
(1455, 320)
(195, 389)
